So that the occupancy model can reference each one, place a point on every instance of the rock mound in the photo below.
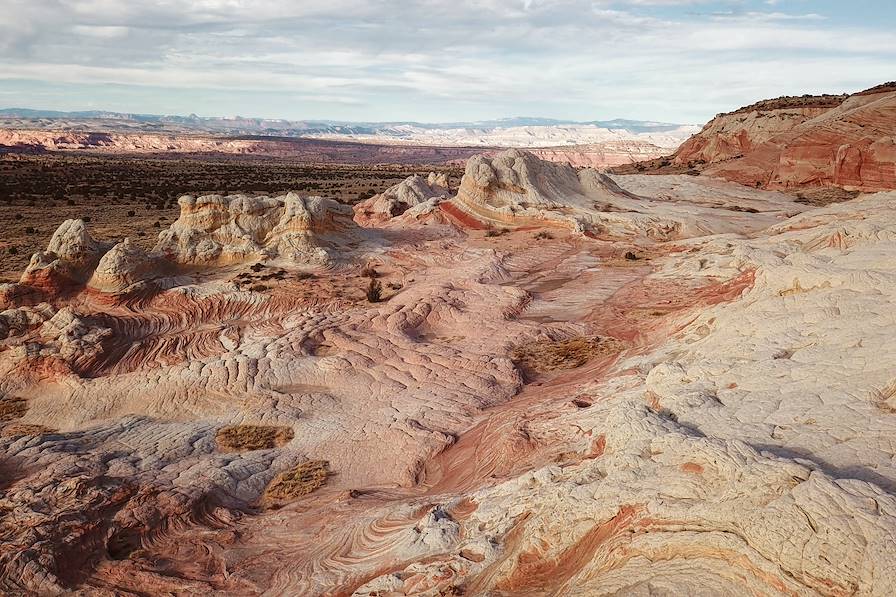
(515, 189)
(411, 193)
(124, 266)
(214, 229)
(70, 258)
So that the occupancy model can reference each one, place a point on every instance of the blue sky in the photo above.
(437, 61)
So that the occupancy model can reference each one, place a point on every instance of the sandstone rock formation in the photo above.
(516, 189)
(125, 266)
(797, 142)
(714, 414)
(415, 193)
(734, 134)
(213, 229)
(69, 259)
(851, 146)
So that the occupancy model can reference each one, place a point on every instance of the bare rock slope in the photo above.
(791, 143)
(684, 387)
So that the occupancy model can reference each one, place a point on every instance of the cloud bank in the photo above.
(434, 60)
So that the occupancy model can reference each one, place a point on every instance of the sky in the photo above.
(677, 61)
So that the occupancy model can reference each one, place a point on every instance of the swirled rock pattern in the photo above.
(734, 435)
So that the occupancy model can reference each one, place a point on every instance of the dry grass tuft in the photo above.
(20, 429)
(296, 482)
(541, 357)
(236, 438)
(12, 408)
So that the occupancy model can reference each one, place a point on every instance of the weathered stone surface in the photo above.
(848, 144)
(218, 230)
(416, 194)
(125, 266)
(516, 189)
(69, 259)
(734, 437)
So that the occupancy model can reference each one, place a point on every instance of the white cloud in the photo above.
(441, 60)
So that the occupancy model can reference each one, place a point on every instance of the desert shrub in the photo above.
(20, 429)
(13, 251)
(131, 213)
(12, 407)
(543, 235)
(369, 272)
(631, 256)
(297, 482)
(30, 230)
(235, 438)
(374, 291)
(546, 355)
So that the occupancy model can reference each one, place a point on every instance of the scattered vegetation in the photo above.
(236, 438)
(20, 429)
(297, 482)
(125, 195)
(545, 356)
(543, 235)
(825, 196)
(12, 407)
(253, 280)
(630, 256)
(374, 291)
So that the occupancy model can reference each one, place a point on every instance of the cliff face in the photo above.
(852, 146)
(796, 142)
(735, 134)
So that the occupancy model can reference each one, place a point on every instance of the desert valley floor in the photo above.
(546, 381)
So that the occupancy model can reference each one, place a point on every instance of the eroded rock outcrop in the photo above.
(416, 193)
(69, 260)
(214, 229)
(852, 146)
(125, 267)
(517, 189)
(734, 134)
(712, 413)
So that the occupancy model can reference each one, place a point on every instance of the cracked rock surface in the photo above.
(715, 413)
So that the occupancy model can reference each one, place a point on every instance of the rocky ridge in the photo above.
(795, 143)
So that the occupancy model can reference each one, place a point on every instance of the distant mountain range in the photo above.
(281, 127)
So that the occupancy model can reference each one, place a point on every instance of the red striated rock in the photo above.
(797, 142)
